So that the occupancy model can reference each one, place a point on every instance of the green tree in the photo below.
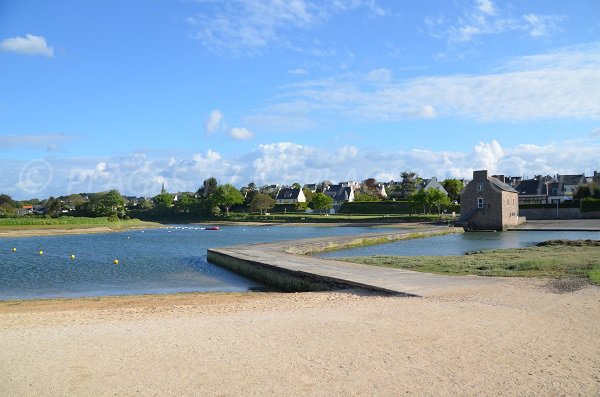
(308, 194)
(54, 207)
(588, 190)
(262, 202)
(163, 202)
(227, 196)
(7, 209)
(437, 199)
(417, 200)
(209, 187)
(409, 183)
(362, 197)
(185, 201)
(113, 203)
(296, 186)
(6, 199)
(321, 202)
(453, 187)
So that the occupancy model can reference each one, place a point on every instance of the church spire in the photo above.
(163, 191)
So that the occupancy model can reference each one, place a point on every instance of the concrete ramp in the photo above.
(285, 265)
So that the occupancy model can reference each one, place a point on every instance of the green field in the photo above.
(555, 261)
(68, 222)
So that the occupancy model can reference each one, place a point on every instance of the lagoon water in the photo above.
(151, 261)
(459, 244)
(173, 259)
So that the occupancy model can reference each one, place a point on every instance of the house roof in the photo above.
(501, 185)
(338, 193)
(286, 193)
(532, 187)
(571, 179)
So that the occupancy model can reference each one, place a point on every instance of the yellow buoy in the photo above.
(116, 261)
(14, 250)
(72, 257)
(41, 252)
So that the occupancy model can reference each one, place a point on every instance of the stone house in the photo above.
(489, 204)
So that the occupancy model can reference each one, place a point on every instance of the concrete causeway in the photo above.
(286, 265)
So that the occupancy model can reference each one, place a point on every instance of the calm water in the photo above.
(150, 261)
(459, 244)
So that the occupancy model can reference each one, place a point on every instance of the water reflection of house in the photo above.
(486, 203)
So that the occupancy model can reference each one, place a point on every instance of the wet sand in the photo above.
(513, 337)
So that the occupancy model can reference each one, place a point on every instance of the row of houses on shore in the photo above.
(537, 190)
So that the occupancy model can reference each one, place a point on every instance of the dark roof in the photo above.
(338, 193)
(288, 194)
(571, 179)
(501, 185)
(532, 187)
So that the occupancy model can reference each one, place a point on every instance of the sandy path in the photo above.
(510, 338)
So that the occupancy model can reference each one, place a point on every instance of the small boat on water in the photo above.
(211, 228)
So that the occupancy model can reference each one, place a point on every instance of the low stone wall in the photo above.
(550, 213)
(277, 277)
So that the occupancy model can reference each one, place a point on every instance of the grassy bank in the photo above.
(551, 260)
(68, 222)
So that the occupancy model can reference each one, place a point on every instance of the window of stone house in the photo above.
(480, 202)
(480, 187)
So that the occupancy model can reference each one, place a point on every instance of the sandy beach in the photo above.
(514, 337)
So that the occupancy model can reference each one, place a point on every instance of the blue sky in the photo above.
(129, 94)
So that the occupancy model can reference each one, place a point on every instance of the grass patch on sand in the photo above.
(549, 260)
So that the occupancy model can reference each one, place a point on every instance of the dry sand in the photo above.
(515, 337)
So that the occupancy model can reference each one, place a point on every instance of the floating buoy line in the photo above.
(115, 261)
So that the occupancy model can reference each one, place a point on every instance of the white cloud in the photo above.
(241, 133)
(483, 18)
(28, 45)
(298, 72)
(380, 76)
(286, 163)
(486, 7)
(213, 122)
(595, 133)
(248, 26)
(542, 25)
(564, 84)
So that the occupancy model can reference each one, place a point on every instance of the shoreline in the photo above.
(60, 230)
(517, 336)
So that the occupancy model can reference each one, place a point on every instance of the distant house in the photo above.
(340, 193)
(288, 195)
(25, 210)
(534, 191)
(562, 188)
(488, 204)
(311, 186)
(432, 183)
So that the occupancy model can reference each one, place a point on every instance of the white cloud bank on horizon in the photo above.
(286, 163)
(28, 45)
